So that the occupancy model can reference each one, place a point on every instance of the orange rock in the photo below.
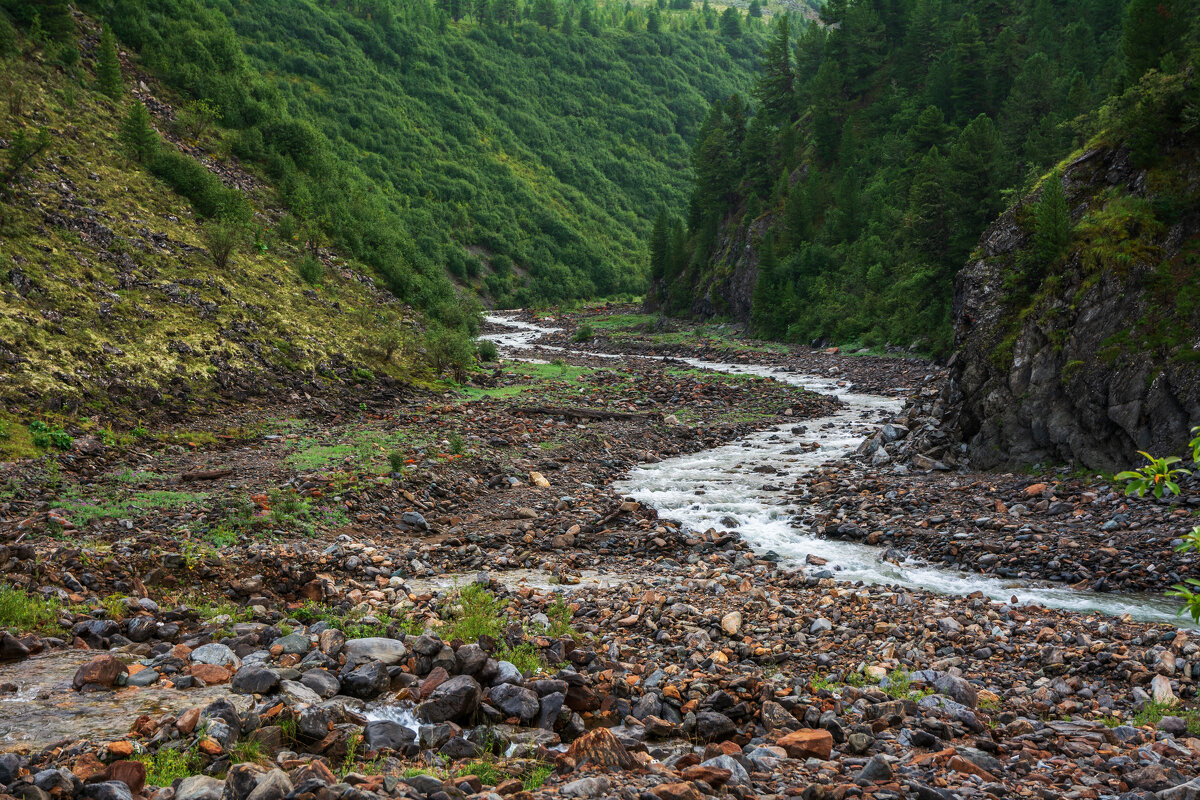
(600, 748)
(181, 651)
(672, 691)
(713, 776)
(122, 748)
(960, 764)
(210, 746)
(130, 773)
(1035, 489)
(87, 766)
(807, 743)
(210, 673)
(677, 791)
(187, 720)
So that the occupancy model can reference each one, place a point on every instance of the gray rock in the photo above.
(10, 765)
(713, 726)
(217, 654)
(515, 701)
(457, 698)
(877, 769)
(299, 693)
(585, 788)
(506, 672)
(739, 775)
(413, 519)
(949, 625)
(296, 643)
(470, 659)
(384, 733)
(321, 681)
(199, 787)
(425, 784)
(108, 790)
(254, 680)
(1184, 791)
(958, 689)
(375, 648)
(820, 624)
(275, 785)
(368, 681)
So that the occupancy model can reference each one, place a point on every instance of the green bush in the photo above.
(583, 333)
(487, 350)
(311, 270)
(46, 436)
(448, 349)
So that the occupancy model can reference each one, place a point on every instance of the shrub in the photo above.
(396, 461)
(311, 270)
(583, 333)
(22, 612)
(221, 239)
(487, 350)
(46, 436)
(448, 349)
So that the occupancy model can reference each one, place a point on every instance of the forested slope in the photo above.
(520, 148)
(880, 145)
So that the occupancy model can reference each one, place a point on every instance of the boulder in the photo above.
(807, 743)
(102, 672)
(375, 648)
(457, 698)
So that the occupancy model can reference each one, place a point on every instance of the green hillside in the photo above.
(519, 153)
(880, 146)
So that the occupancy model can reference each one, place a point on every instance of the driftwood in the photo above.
(205, 474)
(583, 413)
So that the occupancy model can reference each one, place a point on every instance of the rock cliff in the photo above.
(1094, 358)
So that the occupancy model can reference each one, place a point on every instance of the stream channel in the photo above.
(719, 488)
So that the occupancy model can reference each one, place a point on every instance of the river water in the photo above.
(728, 488)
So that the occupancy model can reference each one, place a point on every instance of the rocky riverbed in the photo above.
(444, 595)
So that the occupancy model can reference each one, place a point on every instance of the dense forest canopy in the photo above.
(516, 147)
(880, 144)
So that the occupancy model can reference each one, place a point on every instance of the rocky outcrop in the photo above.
(1089, 360)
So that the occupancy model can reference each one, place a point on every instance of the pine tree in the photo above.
(731, 23)
(755, 10)
(660, 245)
(108, 66)
(653, 26)
(137, 134)
(969, 87)
(545, 13)
(1051, 221)
(775, 88)
(1153, 28)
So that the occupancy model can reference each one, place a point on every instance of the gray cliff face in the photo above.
(729, 289)
(1102, 362)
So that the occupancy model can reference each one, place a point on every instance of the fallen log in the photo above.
(584, 413)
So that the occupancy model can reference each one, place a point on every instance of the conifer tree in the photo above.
(137, 134)
(775, 88)
(731, 23)
(108, 66)
(545, 13)
(1052, 222)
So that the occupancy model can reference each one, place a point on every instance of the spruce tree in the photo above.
(137, 134)
(1052, 222)
(775, 88)
(1153, 28)
(545, 13)
(108, 66)
(731, 23)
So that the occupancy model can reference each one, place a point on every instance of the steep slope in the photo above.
(523, 156)
(1090, 350)
(111, 304)
(880, 146)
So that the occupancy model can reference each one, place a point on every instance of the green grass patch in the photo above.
(83, 512)
(170, 764)
(23, 613)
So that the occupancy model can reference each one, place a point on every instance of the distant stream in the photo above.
(720, 488)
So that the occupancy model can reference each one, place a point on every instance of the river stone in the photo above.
(958, 689)
(253, 679)
(585, 788)
(455, 699)
(108, 790)
(140, 629)
(375, 648)
(295, 643)
(506, 672)
(275, 785)
(731, 623)
(102, 672)
(299, 693)
(384, 733)
(199, 787)
(11, 648)
(368, 681)
(10, 765)
(713, 726)
(321, 681)
(241, 780)
(470, 659)
(738, 775)
(145, 677)
(425, 784)
(515, 701)
(1184, 791)
(216, 654)
(877, 769)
